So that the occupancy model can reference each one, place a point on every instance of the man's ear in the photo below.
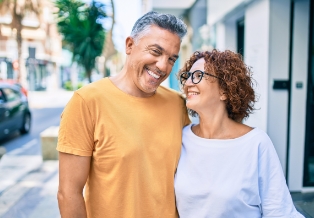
(129, 43)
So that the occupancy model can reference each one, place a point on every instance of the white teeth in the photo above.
(153, 74)
(192, 93)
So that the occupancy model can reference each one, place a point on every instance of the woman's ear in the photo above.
(223, 97)
(129, 43)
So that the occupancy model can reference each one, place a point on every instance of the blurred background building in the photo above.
(276, 39)
(41, 48)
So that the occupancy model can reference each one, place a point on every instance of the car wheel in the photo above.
(26, 124)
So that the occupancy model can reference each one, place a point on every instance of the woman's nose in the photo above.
(189, 81)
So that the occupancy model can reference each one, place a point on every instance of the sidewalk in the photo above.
(34, 192)
(49, 99)
(304, 202)
(28, 186)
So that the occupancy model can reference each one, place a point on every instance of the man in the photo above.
(121, 136)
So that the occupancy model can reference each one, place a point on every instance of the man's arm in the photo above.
(73, 173)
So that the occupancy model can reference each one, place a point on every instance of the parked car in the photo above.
(16, 83)
(14, 110)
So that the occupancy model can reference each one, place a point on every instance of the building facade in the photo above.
(41, 49)
(276, 39)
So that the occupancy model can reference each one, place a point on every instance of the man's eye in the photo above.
(172, 59)
(156, 52)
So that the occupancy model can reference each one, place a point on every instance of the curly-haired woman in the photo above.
(227, 169)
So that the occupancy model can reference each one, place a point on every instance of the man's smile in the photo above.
(153, 74)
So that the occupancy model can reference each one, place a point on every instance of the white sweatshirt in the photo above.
(240, 178)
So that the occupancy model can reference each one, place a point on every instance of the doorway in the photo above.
(308, 179)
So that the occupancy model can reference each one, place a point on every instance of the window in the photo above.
(11, 95)
(2, 98)
(240, 36)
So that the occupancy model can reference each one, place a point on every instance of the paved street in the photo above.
(34, 196)
(46, 108)
(28, 186)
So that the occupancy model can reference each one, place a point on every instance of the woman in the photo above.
(227, 169)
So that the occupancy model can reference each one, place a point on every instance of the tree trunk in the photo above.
(17, 23)
(19, 53)
(109, 48)
(89, 75)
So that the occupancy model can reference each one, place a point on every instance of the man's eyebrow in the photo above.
(163, 50)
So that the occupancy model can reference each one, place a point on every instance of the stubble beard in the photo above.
(149, 89)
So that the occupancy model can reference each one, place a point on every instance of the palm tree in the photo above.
(18, 10)
(82, 31)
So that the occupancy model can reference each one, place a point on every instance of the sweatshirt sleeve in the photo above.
(275, 197)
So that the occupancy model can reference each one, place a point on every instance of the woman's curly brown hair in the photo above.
(235, 81)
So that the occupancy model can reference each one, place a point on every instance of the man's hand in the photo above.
(73, 173)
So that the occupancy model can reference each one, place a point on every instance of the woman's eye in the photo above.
(198, 75)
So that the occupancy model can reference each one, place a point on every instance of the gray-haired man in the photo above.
(121, 136)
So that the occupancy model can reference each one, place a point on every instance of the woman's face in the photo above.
(204, 95)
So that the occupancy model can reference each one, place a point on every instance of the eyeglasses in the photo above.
(197, 76)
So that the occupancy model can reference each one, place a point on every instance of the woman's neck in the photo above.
(213, 127)
(217, 125)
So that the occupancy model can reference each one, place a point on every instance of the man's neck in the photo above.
(125, 83)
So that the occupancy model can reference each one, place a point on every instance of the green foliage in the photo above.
(69, 86)
(82, 31)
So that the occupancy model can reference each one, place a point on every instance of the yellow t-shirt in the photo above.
(135, 144)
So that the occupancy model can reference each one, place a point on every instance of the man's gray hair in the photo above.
(165, 21)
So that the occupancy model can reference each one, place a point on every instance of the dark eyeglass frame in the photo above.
(189, 74)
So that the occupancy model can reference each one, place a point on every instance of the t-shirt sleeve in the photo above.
(276, 200)
(76, 132)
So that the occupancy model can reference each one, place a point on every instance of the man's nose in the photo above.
(162, 64)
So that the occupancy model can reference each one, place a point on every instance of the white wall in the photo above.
(279, 44)
(126, 15)
(298, 96)
(226, 36)
(267, 50)
(256, 55)
(226, 30)
(231, 35)
(219, 9)
(220, 36)
(172, 4)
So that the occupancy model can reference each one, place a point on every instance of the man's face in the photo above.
(151, 59)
